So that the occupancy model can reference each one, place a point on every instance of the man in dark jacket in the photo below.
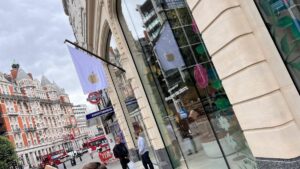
(121, 152)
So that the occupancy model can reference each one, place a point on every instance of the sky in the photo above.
(32, 33)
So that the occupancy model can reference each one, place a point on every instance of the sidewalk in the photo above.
(139, 165)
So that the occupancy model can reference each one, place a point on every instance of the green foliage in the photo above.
(7, 153)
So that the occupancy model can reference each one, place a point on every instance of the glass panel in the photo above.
(187, 55)
(283, 21)
(173, 19)
(180, 37)
(184, 16)
(200, 53)
(192, 111)
(126, 95)
(192, 36)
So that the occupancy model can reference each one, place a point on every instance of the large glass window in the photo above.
(193, 113)
(282, 18)
(126, 95)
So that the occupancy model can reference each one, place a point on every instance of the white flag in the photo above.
(89, 70)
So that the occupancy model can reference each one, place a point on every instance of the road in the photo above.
(87, 159)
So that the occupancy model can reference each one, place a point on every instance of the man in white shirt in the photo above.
(144, 152)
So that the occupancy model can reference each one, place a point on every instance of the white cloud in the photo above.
(32, 32)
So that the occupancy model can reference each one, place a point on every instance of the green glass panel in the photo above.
(266, 8)
(285, 21)
(222, 103)
(200, 49)
(216, 84)
(295, 31)
(284, 45)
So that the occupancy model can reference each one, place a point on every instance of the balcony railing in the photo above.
(30, 129)
(15, 97)
(11, 113)
(17, 130)
(68, 126)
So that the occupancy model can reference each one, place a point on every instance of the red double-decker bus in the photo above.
(53, 158)
(101, 145)
(97, 142)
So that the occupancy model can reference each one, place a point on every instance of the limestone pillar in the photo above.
(254, 77)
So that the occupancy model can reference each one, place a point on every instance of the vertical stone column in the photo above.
(254, 78)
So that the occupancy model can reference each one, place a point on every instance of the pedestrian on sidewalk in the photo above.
(94, 165)
(144, 151)
(90, 151)
(121, 152)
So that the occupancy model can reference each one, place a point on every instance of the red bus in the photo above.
(97, 142)
(53, 158)
(100, 144)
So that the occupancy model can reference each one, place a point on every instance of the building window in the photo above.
(282, 20)
(193, 113)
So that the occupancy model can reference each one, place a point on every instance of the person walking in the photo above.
(121, 152)
(144, 152)
(90, 151)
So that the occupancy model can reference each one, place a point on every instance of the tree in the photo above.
(8, 155)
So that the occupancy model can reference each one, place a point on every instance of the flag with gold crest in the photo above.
(89, 69)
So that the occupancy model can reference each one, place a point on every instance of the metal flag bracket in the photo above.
(93, 54)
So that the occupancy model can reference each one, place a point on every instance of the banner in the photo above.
(100, 113)
(167, 50)
(89, 70)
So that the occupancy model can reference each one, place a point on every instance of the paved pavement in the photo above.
(87, 159)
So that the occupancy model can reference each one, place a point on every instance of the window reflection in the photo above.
(193, 113)
(282, 19)
(126, 95)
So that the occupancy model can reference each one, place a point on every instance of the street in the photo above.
(87, 159)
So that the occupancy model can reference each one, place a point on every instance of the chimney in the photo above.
(30, 75)
(14, 70)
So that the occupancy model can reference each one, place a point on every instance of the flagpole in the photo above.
(98, 57)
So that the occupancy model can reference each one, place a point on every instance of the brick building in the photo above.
(36, 116)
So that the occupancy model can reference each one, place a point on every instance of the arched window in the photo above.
(193, 113)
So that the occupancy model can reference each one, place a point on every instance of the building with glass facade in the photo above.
(215, 82)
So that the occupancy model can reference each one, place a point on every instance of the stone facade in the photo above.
(256, 81)
(261, 91)
(36, 116)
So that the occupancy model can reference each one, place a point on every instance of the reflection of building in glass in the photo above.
(123, 84)
(199, 126)
(152, 18)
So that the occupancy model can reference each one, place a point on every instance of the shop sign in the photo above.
(94, 97)
(100, 113)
